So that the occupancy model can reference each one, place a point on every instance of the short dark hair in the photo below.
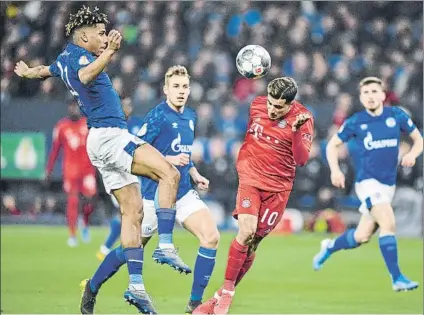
(283, 88)
(85, 16)
(370, 80)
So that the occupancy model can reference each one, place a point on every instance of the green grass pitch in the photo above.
(40, 274)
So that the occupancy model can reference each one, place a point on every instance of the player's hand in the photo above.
(338, 179)
(181, 159)
(300, 120)
(21, 68)
(114, 40)
(408, 160)
(201, 182)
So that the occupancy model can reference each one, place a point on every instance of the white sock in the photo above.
(136, 287)
(166, 245)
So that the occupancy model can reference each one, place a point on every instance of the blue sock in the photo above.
(388, 247)
(114, 232)
(109, 266)
(344, 241)
(134, 259)
(203, 269)
(166, 222)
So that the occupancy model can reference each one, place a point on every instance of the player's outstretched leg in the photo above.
(114, 233)
(151, 163)
(384, 215)
(203, 226)
(350, 239)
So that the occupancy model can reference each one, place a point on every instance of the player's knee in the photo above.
(247, 228)
(362, 238)
(170, 175)
(132, 206)
(210, 239)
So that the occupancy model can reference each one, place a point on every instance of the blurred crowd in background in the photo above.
(327, 47)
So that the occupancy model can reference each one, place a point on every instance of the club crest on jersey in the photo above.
(176, 145)
(246, 203)
(83, 61)
(390, 122)
(191, 124)
(282, 124)
(142, 131)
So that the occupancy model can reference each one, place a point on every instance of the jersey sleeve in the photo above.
(54, 69)
(152, 126)
(80, 59)
(405, 122)
(347, 130)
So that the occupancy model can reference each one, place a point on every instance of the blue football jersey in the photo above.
(171, 133)
(134, 124)
(377, 141)
(98, 100)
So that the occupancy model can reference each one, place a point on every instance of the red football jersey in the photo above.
(266, 159)
(72, 137)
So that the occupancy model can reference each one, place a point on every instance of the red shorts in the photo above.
(86, 185)
(267, 206)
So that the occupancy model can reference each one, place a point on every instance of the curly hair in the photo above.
(85, 16)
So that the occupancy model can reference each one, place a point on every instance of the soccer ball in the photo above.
(253, 61)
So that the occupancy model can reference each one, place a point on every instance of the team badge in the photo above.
(390, 122)
(246, 203)
(142, 131)
(282, 124)
(307, 136)
(83, 61)
(191, 124)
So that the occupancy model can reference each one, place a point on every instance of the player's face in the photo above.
(96, 38)
(177, 90)
(277, 108)
(372, 96)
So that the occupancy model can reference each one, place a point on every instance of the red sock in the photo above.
(72, 214)
(246, 266)
(236, 257)
(87, 210)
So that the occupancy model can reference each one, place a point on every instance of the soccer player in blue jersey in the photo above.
(169, 127)
(134, 124)
(118, 155)
(376, 131)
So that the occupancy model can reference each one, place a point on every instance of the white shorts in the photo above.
(111, 151)
(185, 206)
(371, 192)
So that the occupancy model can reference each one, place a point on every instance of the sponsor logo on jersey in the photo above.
(371, 144)
(175, 125)
(176, 145)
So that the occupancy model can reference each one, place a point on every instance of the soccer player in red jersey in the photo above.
(79, 175)
(278, 139)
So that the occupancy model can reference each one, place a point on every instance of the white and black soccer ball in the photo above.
(253, 61)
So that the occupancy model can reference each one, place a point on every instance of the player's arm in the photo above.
(303, 129)
(38, 72)
(90, 72)
(409, 158)
(54, 152)
(201, 181)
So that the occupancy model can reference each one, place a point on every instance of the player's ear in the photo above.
(165, 89)
(84, 37)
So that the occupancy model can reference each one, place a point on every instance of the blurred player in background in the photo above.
(376, 131)
(169, 127)
(134, 124)
(79, 175)
(118, 155)
(279, 138)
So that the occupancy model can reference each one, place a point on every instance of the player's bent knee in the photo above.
(247, 227)
(362, 238)
(210, 239)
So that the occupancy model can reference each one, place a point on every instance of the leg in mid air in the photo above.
(114, 233)
(350, 239)
(202, 225)
(153, 165)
